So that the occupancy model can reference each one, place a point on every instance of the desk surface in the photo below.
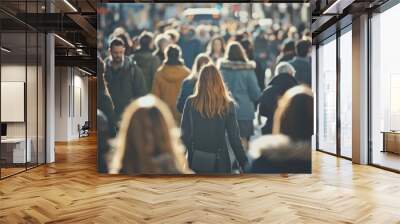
(390, 132)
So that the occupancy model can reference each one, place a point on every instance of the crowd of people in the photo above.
(181, 100)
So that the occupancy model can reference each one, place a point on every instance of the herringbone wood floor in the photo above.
(71, 191)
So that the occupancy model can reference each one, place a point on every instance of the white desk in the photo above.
(17, 145)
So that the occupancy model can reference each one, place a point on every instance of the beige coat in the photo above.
(167, 85)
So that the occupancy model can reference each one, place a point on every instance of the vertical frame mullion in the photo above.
(338, 94)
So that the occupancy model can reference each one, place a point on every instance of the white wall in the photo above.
(71, 102)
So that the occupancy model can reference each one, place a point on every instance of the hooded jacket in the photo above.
(278, 154)
(167, 85)
(149, 64)
(241, 81)
(270, 96)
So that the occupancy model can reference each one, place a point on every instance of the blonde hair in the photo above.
(148, 134)
(201, 60)
(294, 115)
(211, 97)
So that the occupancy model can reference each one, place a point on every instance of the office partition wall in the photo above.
(22, 77)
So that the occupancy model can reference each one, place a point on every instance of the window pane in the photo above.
(346, 94)
(327, 97)
(385, 84)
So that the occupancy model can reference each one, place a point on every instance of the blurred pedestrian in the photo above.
(240, 78)
(189, 83)
(216, 48)
(124, 80)
(302, 63)
(169, 77)
(288, 149)
(145, 59)
(161, 41)
(148, 141)
(190, 45)
(268, 101)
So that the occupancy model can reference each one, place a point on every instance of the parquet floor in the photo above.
(71, 191)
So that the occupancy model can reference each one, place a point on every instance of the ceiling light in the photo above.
(70, 5)
(64, 40)
(5, 50)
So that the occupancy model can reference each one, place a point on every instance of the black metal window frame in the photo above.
(333, 37)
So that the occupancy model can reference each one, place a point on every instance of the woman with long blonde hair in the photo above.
(208, 114)
(148, 141)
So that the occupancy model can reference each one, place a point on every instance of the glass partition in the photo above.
(22, 88)
(327, 96)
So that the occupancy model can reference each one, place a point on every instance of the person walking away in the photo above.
(208, 114)
(161, 41)
(301, 62)
(145, 58)
(287, 53)
(189, 83)
(169, 77)
(288, 149)
(123, 79)
(240, 78)
(268, 101)
(148, 141)
(190, 45)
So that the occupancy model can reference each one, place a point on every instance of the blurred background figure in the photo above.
(210, 113)
(302, 62)
(240, 78)
(268, 101)
(190, 45)
(123, 79)
(216, 48)
(161, 41)
(145, 59)
(288, 149)
(189, 83)
(169, 77)
(148, 141)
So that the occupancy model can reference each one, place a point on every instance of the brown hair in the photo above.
(201, 60)
(236, 52)
(211, 97)
(294, 115)
(210, 47)
(148, 140)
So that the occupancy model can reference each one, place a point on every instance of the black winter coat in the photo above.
(270, 96)
(124, 84)
(209, 136)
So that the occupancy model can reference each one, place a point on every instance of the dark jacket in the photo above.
(269, 98)
(278, 154)
(124, 84)
(186, 90)
(149, 64)
(302, 65)
(191, 47)
(241, 81)
(209, 135)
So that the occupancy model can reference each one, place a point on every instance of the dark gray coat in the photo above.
(209, 135)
